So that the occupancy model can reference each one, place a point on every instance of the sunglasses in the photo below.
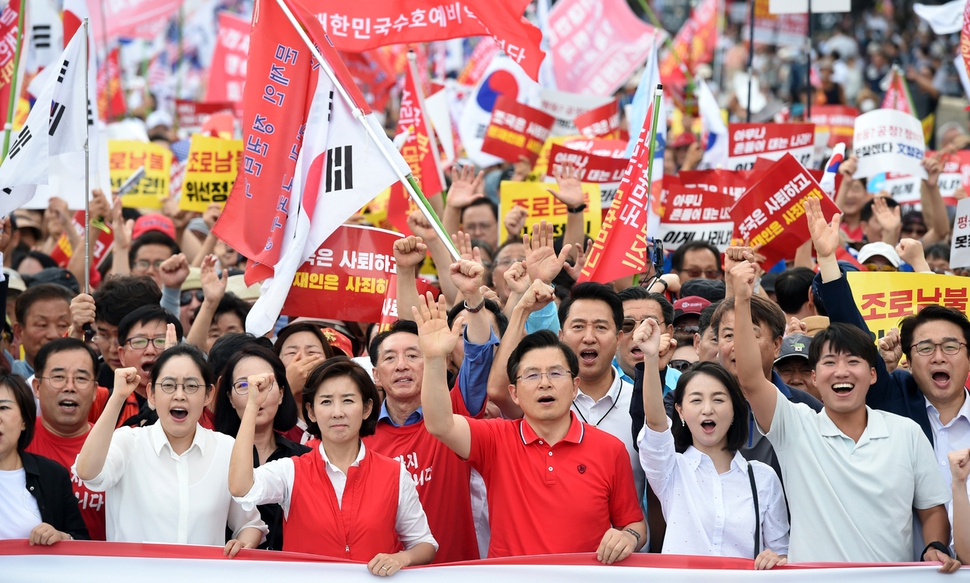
(630, 324)
(186, 297)
(874, 267)
(680, 364)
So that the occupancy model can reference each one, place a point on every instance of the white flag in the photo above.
(54, 128)
(715, 133)
(339, 169)
(945, 19)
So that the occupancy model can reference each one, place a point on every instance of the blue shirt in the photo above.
(472, 379)
(545, 319)
(22, 368)
(670, 378)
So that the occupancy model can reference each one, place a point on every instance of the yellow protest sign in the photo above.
(210, 172)
(125, 157)
(884, 299)
(543, 206)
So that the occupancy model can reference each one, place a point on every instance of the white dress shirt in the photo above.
(709, 513)
(273, 484)
(154, 495)
(953, 436)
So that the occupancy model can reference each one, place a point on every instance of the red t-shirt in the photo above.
(546, 500)
(441, 479)
(853, 234)
(64, 450)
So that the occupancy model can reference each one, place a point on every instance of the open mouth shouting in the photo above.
(941, 379)
(708, 426)
(842, 388)
(546, 400)
(179, 413)
(68, 405)
(588, 356)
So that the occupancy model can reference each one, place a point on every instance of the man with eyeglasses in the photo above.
(697, 259)
(638, 304)
(66, 386)
(934, 341)
(141, 338)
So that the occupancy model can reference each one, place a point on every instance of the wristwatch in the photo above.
(576, 209)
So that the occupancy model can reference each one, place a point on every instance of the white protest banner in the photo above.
(566, 106)
(886, 139)
(960, 248)
(749, 141)
(695, 209)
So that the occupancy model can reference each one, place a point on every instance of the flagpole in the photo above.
(87, 167)
(412, 64)
(14, 93)
(750, 60)
(410, 184)
(651, 152)
(667, 42)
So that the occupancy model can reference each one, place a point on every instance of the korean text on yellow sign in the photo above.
(884, 299)
(543, 206)
(125, 157)
(210, 172)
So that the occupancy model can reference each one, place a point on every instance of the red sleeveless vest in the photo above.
(361, 527)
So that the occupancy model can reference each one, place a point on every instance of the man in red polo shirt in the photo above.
(555, 484)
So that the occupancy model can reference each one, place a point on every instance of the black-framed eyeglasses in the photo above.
(59, 381)
(141, 343)
(680, 364)
(169, 387)
(926, 348)
(186, 297)
(630, 324)
(145, 264)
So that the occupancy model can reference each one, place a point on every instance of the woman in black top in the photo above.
(38, 502)
(277, 415)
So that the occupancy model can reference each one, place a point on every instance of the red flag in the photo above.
(358, 26)
(694, 44)
(965, 38)
(111, 99)
(227, 75)
(417, 152)
(9, 36)
(897, 96)
(373, 74)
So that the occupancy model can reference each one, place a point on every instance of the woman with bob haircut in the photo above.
(340, 500)
(38, 502)
(276, 416)
(714, 501)
(167, 482)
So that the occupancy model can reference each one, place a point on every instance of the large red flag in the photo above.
(374, 74)
(358, 26)
(9, 36)
(694, 44)
(111, 99)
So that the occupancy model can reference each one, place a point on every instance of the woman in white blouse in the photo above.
(340, 499)
(167, 482)
(707, 489)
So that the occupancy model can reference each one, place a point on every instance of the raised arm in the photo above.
(241, 460)
(93, 454)
(570, 193)
(437, 342)
(409, 252)
(931, 200)
(760, 392)
(911, 251)
(647, 337)
(213, 290)
(442, 258)
(959, 469)
(465, 189)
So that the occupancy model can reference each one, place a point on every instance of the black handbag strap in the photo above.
(757, 512)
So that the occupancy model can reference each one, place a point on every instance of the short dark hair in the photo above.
(39, 293)
(144, 315)
(938, 251)
(229, 344)
(24, 397)
(591, 290)
(45, 260)
(635, 292)
(931, 313)
(184, 350)
(401, 326)
(226, 420)
(791, 288)
(707, 314)
(866, 213)
(63, 345)
(843, 338)
(764, 312)
(483, 201)
(151, 238)
(535, 341)
(291, 329)
(229, 304)
(120, 295)
(738, 431)
(677, 261)
(341, 366)
(501, 320)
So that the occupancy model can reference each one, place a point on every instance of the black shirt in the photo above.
(50, 484)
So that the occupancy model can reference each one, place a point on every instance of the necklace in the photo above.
(613, 406)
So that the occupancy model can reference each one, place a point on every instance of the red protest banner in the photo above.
(592, 168)
(373, 74)
(111, 99)
(837, 120)
(516, 130)
(100, 246)
(965, 39)
(771, 213)
(389, 313)
(602, 122)
(359, 26)
(694, 44)
(8, 47)
(192, 115)
(749, 141)
(697, 207)
(596, 45)
(227, 75)
(347, 278)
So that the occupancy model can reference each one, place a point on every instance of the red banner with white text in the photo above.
(516, 130)
(602, 122)
(749, 141)
(227, 76)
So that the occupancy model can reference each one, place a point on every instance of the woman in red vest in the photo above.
(338, 500)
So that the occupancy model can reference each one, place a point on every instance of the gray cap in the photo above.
(794, 345)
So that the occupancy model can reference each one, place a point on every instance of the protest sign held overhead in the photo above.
(960, 245)
(125, 157)
(231, 52)
(516, 130)
(886, 138)
(210, 172)
(748, 142)
(567, 107)
(602, 122)
(696, 208)
(884, 299)
(543, 206)
(836, 121)
(607, 171)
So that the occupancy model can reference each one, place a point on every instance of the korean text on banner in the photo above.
(228, 72)
(124, 157)
(596, 45)
(889, 139)
(960, 246)
(543, 206)
(836, 120)
(749, 141)
(566, 107)
(772, 212)
(886, 298)
(603, 170)
(210, 172)
(516, 130)
(99, 247)
(905, 189)
(192, 115)
(696, 209)
(602, 122)
(347, 277)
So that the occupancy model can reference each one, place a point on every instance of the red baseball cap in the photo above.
(689, 305)
(153, 222)
(683, 140)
